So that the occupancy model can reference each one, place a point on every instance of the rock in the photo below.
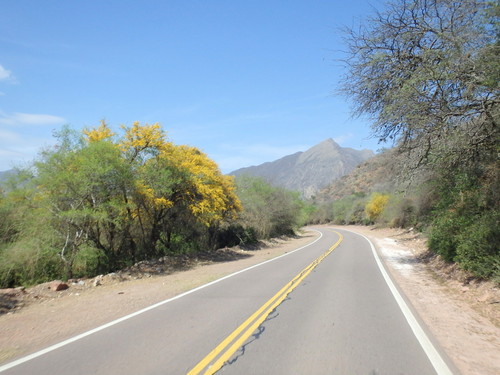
(58, 285)
(9, 292)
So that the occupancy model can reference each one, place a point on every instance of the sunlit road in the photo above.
(323, 309)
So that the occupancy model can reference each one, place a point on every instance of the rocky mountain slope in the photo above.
(378, 173)
(309, 171)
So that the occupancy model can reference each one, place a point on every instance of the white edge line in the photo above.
(119, 320)
(430, 350)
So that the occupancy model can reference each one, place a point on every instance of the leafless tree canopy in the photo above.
(427, 71)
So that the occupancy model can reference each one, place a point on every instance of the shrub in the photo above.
(443, 234)
(376, 206)
(399, 212)
(89, 261)
(478, 246)
(25, 263)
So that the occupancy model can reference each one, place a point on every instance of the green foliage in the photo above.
(445, 230)
(478, 244)
(89, 261)
(29, 261)
(349, 210)
(98, 202)
(428, 73)
(399, 212)
(268, 210)
(465, 228)
(320, 213)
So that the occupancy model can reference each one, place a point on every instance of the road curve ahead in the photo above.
(327, 308)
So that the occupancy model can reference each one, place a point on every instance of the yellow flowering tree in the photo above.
(113, 200)
(98, 134)
(376, 205)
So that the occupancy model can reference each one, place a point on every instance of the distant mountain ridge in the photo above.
(4, 175)
(309, 171)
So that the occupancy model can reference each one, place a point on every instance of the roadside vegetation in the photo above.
(98, 202)
(428, 73)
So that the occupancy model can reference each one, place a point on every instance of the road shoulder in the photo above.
(463, 317)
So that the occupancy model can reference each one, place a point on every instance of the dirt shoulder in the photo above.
(463, 315)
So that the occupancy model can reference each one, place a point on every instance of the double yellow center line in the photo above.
(225, 350)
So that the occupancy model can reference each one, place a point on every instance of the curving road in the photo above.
(327, 308)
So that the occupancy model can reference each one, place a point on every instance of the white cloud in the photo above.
(7, 136)
(22, 135)
(20, 148)
(30, 119)
(264, 151)
(5, 74)
(342, 139)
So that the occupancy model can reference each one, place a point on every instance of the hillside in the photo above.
(309, 171)
(375, 174)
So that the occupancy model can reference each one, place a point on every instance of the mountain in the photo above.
(378, 173)
(309, 171)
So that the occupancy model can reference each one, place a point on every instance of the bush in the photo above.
(376, 206)
(236, 234)
(24, 263)
(400, 212)
(443, 235)
(270, 211)
(478, 247)
(349, 210)
(89, 261)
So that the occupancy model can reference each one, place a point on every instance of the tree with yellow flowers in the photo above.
(376, 206)
(101, 201)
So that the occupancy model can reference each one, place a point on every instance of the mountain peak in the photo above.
(311, 170)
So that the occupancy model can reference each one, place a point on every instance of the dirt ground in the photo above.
(462, 314)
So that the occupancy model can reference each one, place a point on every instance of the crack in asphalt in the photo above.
(256, 335)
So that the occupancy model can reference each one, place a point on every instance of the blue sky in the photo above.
(245, 81)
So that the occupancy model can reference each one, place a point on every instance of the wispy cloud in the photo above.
(343, 138)
(18, 148)
(30, 119)
(5, 75)
(22, 135)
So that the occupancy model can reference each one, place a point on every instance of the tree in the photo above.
(97, 202)
(84, 183)
(376, 205)
(269, 211)
(427, 72)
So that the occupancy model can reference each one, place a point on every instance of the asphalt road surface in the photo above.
(327, 308)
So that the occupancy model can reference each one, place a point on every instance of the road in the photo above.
(327, 308)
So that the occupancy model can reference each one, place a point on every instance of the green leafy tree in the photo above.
(98, 201)
(270, 211)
